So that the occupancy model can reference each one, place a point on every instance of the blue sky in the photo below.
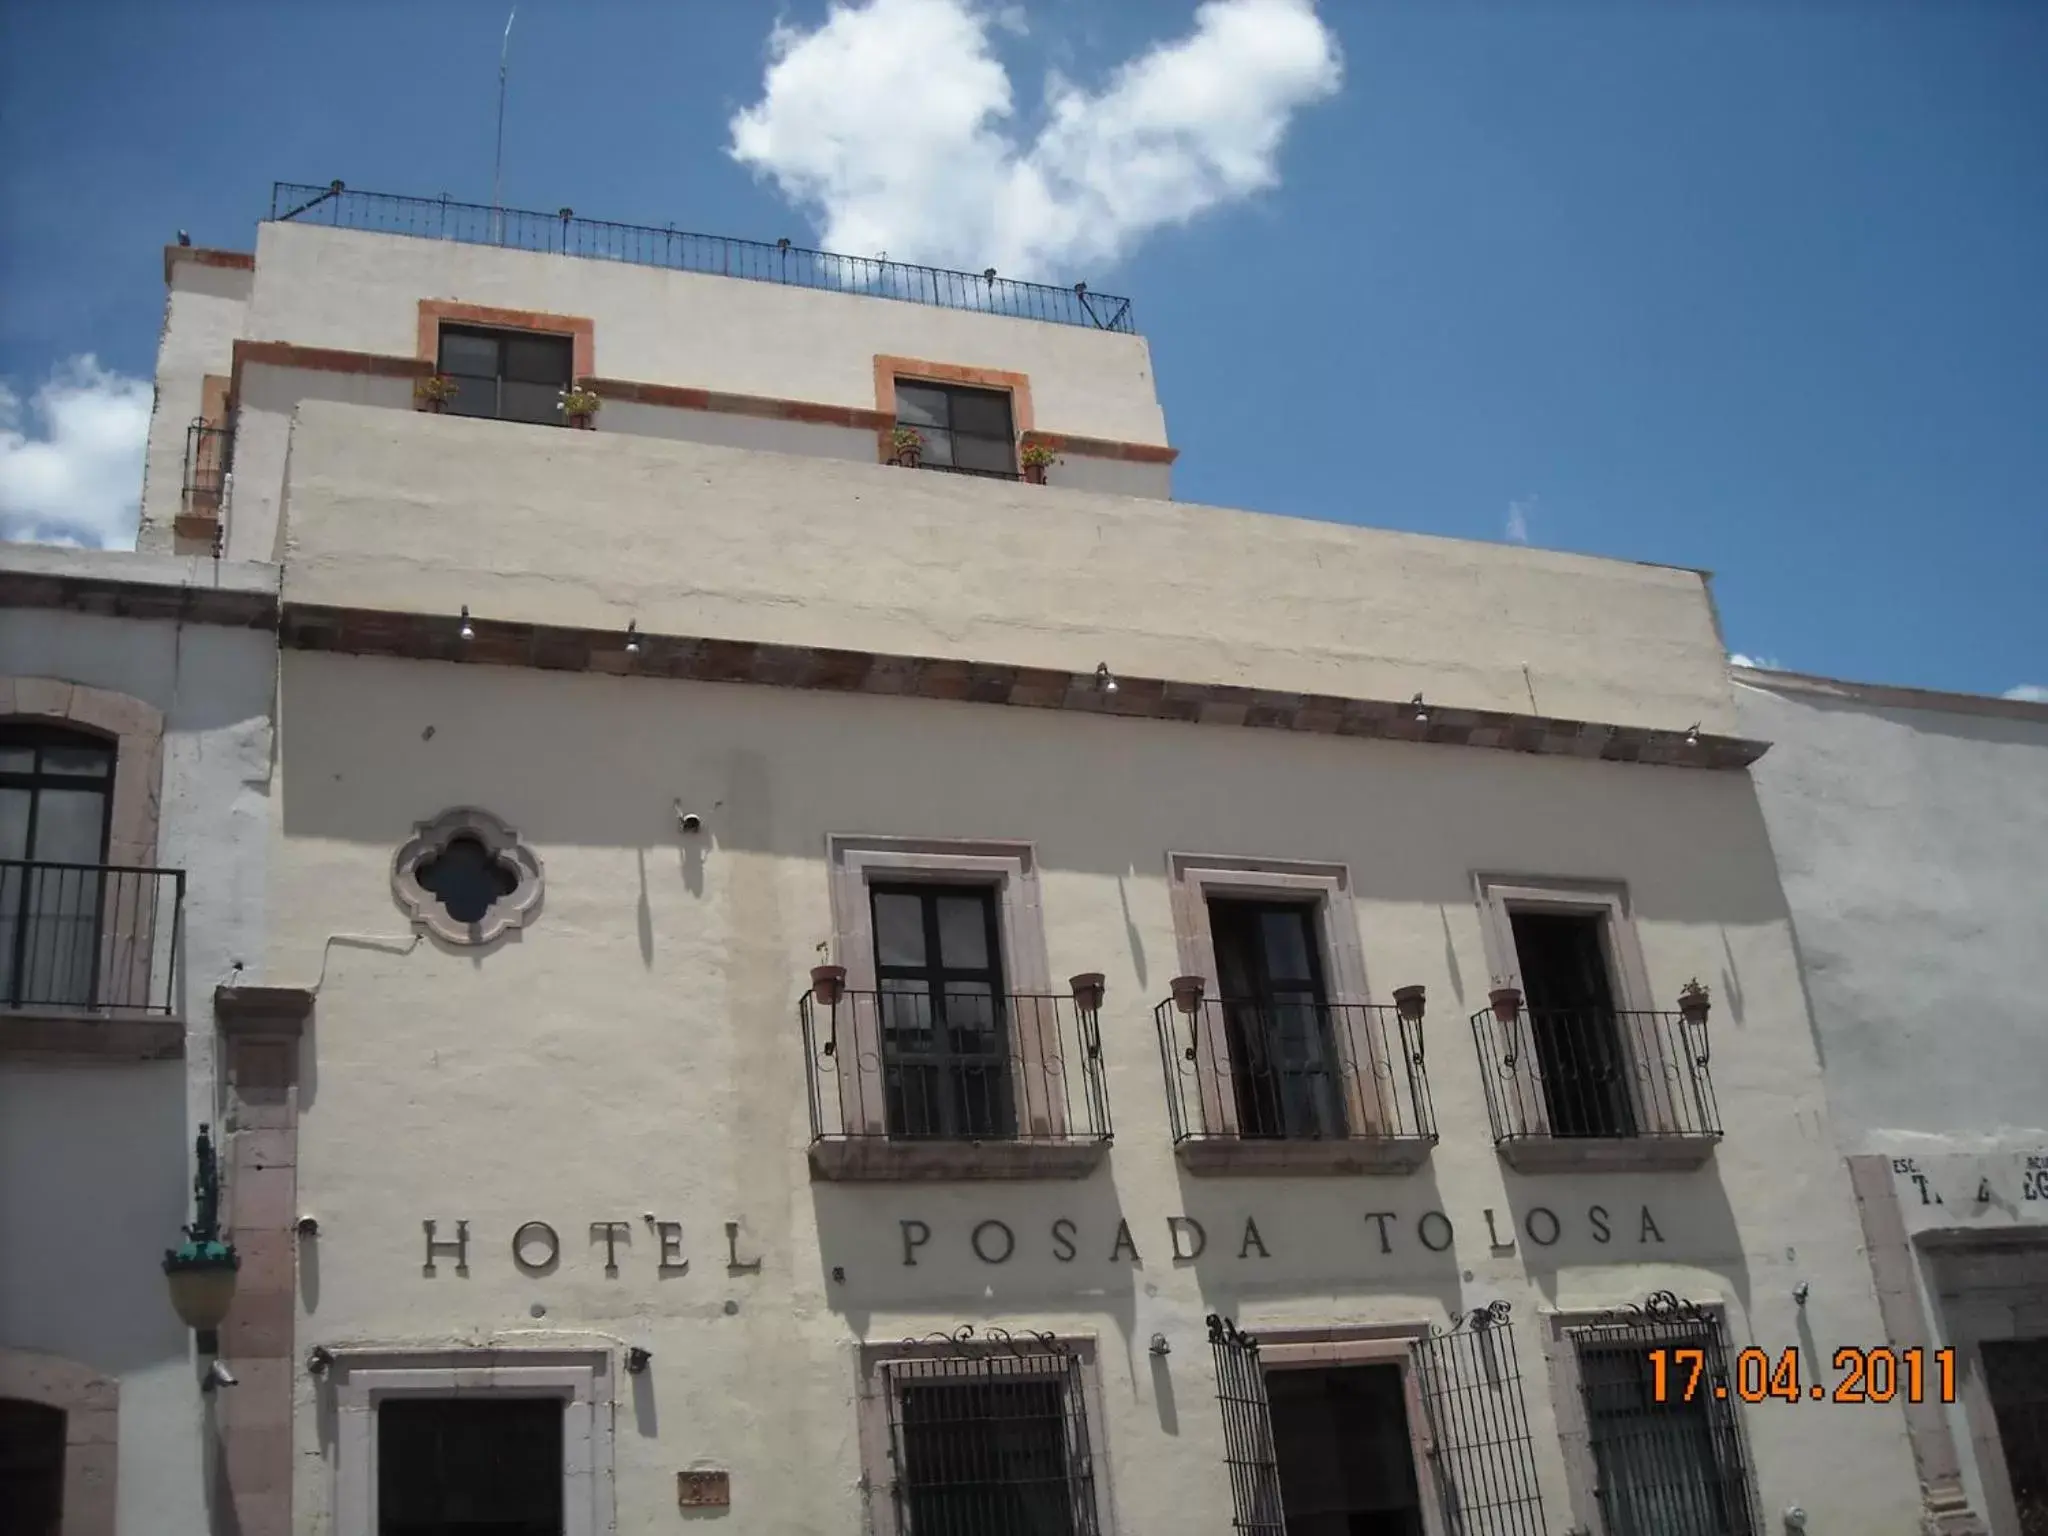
(1758, 288)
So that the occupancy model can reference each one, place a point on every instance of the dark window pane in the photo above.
(467, 352)
(479, 1466)
(963, 932)
(17, 759)
(983, 412)
(537, 359)
(31, 1468)
(899, 929)
(474, 397)
(14, 806)
(1286, 939)
(991, 454)
(83, 762)
(541, 403)
(921, 406)
(70, 825)
(467, 879)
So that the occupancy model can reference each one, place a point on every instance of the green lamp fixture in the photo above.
(201, 1270)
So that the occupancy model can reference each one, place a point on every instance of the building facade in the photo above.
(135, 752)
(834, 973)
(1911, 831)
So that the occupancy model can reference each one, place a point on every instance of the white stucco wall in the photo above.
(1912, 840)
(343, 288)
(95, 1161)
(635, 1051)
(408, 512)
(203, 313)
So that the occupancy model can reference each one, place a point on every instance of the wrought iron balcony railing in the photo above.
(562, 233)
(90, 937)
(962, 1069)
(208, 459)
(1283, 1075)
(1595, 1075)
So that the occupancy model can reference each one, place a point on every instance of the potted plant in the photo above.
(1507, 1002)
(1036, 459)
(907, 443)
(1408, 1001)
(1187, 992)
(1693, 1002)
(579, 402)
(828, 982)
(433, 392)
(1088, 990)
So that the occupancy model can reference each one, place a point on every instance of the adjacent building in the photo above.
(836, 960)
(135, 763)
(1911, 830)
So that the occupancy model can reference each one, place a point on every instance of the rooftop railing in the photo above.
(562, 233)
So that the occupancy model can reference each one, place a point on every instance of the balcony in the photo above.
(909, 1085)
(1263, 1087)
(89, 958)
(563, 234)
(1594, 1088)
(209, 454)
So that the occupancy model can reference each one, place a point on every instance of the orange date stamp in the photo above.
(1682, 1375)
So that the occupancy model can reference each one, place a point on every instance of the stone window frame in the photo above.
(1498, 897)
(135, 729)
(580, 1377)
(580, 329)
(1317, 1348)
(918, 370)
(91, 1405)
(1327, 887)
(1562, 1330)
(1008, 868)
(877, 1461)
(516, 909)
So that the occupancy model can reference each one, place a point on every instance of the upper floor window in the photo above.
(507, 375)
(56, 797)
(1283, 1059)
(968, 430)
(945, 1046)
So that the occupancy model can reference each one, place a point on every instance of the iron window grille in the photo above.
(506, 375)
(1669, 1466)
(1480, 1451)
(989, 1436)
(209, 460)
(2016, 1381)
(967, 431)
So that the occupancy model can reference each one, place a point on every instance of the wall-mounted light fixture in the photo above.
(1421, 710)
(201, 1270)
(632, 637)
(1799, 1293)
(318, 1359)
(637, 1359)
(1160, 1346)
(1692, 735)
(1104, 681)
(468, 630)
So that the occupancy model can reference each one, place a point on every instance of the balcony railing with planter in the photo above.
(89, 957)
(1268, 1085)
(1576, 1088)
(960, 1085)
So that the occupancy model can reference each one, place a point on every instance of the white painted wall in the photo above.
(636, 1051)
(343, 288)
(1911, 834)
(203, 315)
(95, 1161)
(408, 512)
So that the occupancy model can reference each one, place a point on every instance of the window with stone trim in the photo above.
(466, 878)
(971, 431)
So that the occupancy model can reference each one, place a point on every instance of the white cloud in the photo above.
(1518, 518)
(1762, 663)
(2027, 693)
(890, 124)
(75, 477)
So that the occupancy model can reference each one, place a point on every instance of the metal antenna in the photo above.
(498, 164)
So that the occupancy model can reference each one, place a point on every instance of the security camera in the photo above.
(218, 1375)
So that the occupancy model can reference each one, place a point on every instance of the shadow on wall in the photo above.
(1571, 1221)
(617, 754)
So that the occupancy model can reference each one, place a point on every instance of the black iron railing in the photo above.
(90, 936)
(1252, 1069)
(1559, 1073)
(208, 458)
(963, 1066)
(562, 233)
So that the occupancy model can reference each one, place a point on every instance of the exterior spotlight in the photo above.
(637, 1358)
(632, 637)
(1103, 680)
(988, 275)
(1692, 736)
(218, 1375)
(468, 630)
(1160, 1346)
(201, 1271)
(1800, 1292)
(1421, 710)
(1081, 290)
(318, 1359)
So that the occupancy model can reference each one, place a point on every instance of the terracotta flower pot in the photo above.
(1409, 1001)
(1187, 992)
(827, 983)
(583, 421)
(1507, 1003)
(1088, 990)
(1035, 473)
(1694, 1002)
(435, 407)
